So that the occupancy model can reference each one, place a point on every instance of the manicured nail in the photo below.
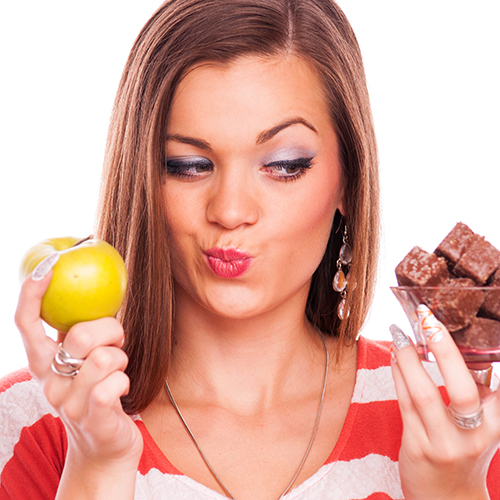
(393, 354)
(43, 268)
(400, 339)
(431, 327)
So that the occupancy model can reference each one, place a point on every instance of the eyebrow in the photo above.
(269, 134)
(197, 143)
(261, 138)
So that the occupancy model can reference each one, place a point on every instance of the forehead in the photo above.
(253, 91)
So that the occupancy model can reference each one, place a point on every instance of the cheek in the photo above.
(317, 223)
(179, 212)
(179, 225)
(309, 225)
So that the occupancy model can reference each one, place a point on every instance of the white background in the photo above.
(433, 75)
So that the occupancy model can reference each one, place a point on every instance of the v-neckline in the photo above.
(163, 464)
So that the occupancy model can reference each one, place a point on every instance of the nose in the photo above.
(233, 200)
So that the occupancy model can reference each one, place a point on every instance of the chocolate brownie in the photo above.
(421, 268)
(455, 304)
(455, 242)
(479, 261)
(482, 333)
(460, 283)
(491, 305)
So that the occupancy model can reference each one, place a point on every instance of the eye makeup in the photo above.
(287, 164)
(288, 170)
(188, 167)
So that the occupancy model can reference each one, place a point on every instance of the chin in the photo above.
(236, 309)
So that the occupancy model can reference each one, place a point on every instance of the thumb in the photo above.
(38, 346)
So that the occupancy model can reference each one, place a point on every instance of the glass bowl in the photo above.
(471, 314)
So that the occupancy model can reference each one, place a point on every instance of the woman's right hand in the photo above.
(104, 444)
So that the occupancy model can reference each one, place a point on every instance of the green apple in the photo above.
(89, 280)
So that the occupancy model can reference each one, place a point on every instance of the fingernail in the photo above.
(43, 268)
(431, 327)
(400, 339)
(393, 354)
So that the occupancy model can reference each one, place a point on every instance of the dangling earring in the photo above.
(341, 280)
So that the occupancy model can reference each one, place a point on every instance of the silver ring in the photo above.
(64, 364)
(471, 421)
(482, 377)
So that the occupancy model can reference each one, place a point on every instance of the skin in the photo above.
(437, 459)
(241, 203)
(247, 367)
(244, 344)
(102, 458)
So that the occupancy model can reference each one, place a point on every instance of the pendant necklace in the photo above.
(309, 446)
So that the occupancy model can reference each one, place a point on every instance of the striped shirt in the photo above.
(362, 466)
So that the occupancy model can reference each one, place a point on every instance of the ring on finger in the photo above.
(471, 421)
(482, 377)
(64, 364)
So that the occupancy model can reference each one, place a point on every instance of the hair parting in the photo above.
(180, 35)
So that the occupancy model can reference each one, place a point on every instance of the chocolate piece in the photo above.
(420, 268)
(455, 303)
(456, 242)
(479, 261)
(460, 283)
(491, 305)
(482, 333)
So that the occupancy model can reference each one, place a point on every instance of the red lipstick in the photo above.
(229, 262)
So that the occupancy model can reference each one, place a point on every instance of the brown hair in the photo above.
(180, 34)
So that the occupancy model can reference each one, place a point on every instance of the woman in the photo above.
(240, 179)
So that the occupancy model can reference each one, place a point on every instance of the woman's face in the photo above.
(252, 181)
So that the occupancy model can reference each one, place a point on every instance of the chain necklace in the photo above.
(309, 446)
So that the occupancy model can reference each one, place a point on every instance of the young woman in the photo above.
(240, 179)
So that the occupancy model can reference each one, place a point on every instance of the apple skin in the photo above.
(89, 280)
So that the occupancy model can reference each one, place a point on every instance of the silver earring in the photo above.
(341, 279)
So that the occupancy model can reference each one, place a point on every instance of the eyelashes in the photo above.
(288, 170)
(189, 167)
(193, 168)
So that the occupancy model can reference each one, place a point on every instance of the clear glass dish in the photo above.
(471, 314)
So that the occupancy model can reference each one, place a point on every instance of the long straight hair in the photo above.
(180, 34)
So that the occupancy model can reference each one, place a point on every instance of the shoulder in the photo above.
(373, 354)
(21, 398)
(32, 439)
(14, 378)
(374, 380)
(374, 390)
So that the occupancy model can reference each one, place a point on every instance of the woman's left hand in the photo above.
(439, 460)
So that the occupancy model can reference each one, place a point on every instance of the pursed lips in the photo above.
(228, 262)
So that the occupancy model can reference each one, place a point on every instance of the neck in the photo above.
(247, 364)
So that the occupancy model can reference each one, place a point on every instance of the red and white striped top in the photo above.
(362, 466)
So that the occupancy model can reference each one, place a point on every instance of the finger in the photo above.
(106, 409)
(80, 341)
(84, 337)
(418, 386)
(409, 414)
(100, 364)
(40, 348)
(462, 390)
(483, 376)
(107, 393)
